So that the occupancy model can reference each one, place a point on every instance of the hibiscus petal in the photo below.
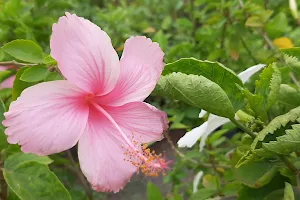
(245, 75)
(85, 54)
(8, 83)
(141, 67)
(140, 120)
(47, 118)
(191, 137)
(101, 155)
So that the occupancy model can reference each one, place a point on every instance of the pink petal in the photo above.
(85, 54)
(47, 118)
(141, 67)
(102, 157)
(140, 120)
(8, 83)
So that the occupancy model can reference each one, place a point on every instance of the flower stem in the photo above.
(244, 128)
(80, 176)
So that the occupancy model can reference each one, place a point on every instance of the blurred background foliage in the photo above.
(237, 33)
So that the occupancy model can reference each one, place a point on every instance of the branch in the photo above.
(15, 63)
(180, 154)
(80, 175)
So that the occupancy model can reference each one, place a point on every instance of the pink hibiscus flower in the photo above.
(100, 104)
(9, 82)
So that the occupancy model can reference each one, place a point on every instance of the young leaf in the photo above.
(153, 192)
(34, 74)
(213, 71)
(25, 50)
(33, 180)
(256, 103)
(268, 85)
(20, 85)
(197, 91)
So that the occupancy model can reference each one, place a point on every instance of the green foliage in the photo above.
(34, 74)
(153, 193)
(33, 180)
(197, 91)
(24, 50)
(213, 71)
(238, 34)
(20, 85)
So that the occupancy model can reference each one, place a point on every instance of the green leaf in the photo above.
(247, 193)
(295, 52)
(5, 74)
(161, 39)
(12, 8)
(271, 132)
(256, 103)
(33, 180)
(288, 192)
(197, 91)
(20, 85)
(53, 76)
(3, 137)
(289, 96)
(259, 19)
(268, 85)
(18, 158)
(34, 74)
(25, 50)
(153, 192)
(203, 194)
(285, 144)
(213, 71)
(257, 174)
(293, 63)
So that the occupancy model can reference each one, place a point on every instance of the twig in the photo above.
(248, 50)
(15, 63)
(268, 40)
(244, 128)
(180, 154)
(80, 175)
(294, 79)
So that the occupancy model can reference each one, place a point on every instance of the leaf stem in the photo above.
(244, 128)
(80, 175)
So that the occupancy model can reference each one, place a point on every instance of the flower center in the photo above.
(137, 154)
(89, 97)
